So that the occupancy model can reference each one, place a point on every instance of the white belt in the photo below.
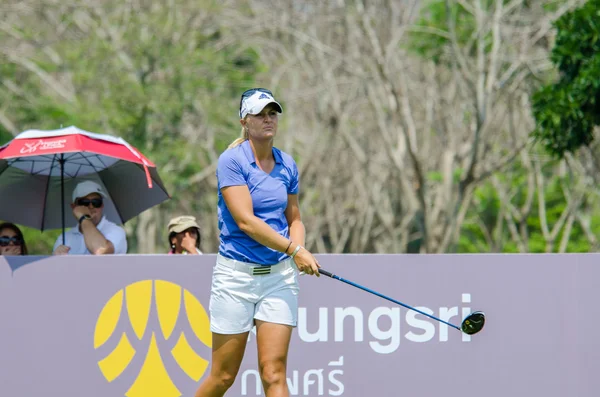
(252, 268)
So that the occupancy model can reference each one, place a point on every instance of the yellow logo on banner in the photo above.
(153, 378)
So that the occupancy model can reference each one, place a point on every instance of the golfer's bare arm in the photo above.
(239, 203)
(292, 214)
(95, 241)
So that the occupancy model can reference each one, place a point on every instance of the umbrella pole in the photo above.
(62, 193)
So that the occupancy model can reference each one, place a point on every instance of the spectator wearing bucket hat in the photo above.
(93, 234)
(184, 235)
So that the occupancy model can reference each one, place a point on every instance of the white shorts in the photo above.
(238, 296)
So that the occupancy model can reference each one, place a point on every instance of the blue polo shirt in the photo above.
(237, 166)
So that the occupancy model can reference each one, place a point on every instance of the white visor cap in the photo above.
(256, 102)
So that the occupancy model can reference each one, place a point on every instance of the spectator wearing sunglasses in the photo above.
(184, 235)
(11, 240)
(93, 234)
(255, 279)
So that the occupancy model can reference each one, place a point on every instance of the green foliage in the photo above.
(432, 35)
(153, 87)
(568, 110)
(486, 206)
(39, 243)
(172, 91)
(434, 176)
(480, 232)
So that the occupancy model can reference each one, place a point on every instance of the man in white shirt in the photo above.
(94, 234)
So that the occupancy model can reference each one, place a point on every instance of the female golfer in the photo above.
(255, 279)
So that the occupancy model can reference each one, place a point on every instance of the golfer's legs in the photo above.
(227, 355)
(273, 343)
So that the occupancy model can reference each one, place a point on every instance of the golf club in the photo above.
(471, 324)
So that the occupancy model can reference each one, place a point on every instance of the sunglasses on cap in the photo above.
(84, 202)
(250, 92)
(5, 241)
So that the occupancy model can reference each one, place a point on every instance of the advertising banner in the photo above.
(138, 326)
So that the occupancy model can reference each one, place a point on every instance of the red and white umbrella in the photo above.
(39, 170)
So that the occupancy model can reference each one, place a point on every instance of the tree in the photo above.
(409, 120)
(160, 74)
(393, 144)
(567, 111)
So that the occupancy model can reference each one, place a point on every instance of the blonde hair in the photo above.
(240, 140)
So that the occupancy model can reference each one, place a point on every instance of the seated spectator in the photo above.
(93, 234)
(184, 236)
(11, 240)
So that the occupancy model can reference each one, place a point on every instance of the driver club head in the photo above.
(473, 323)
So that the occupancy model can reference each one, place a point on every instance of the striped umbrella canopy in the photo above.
(39, 170)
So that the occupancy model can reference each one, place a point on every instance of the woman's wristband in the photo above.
(296, 251)
(288, 247)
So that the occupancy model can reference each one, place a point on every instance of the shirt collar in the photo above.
(247, 149)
